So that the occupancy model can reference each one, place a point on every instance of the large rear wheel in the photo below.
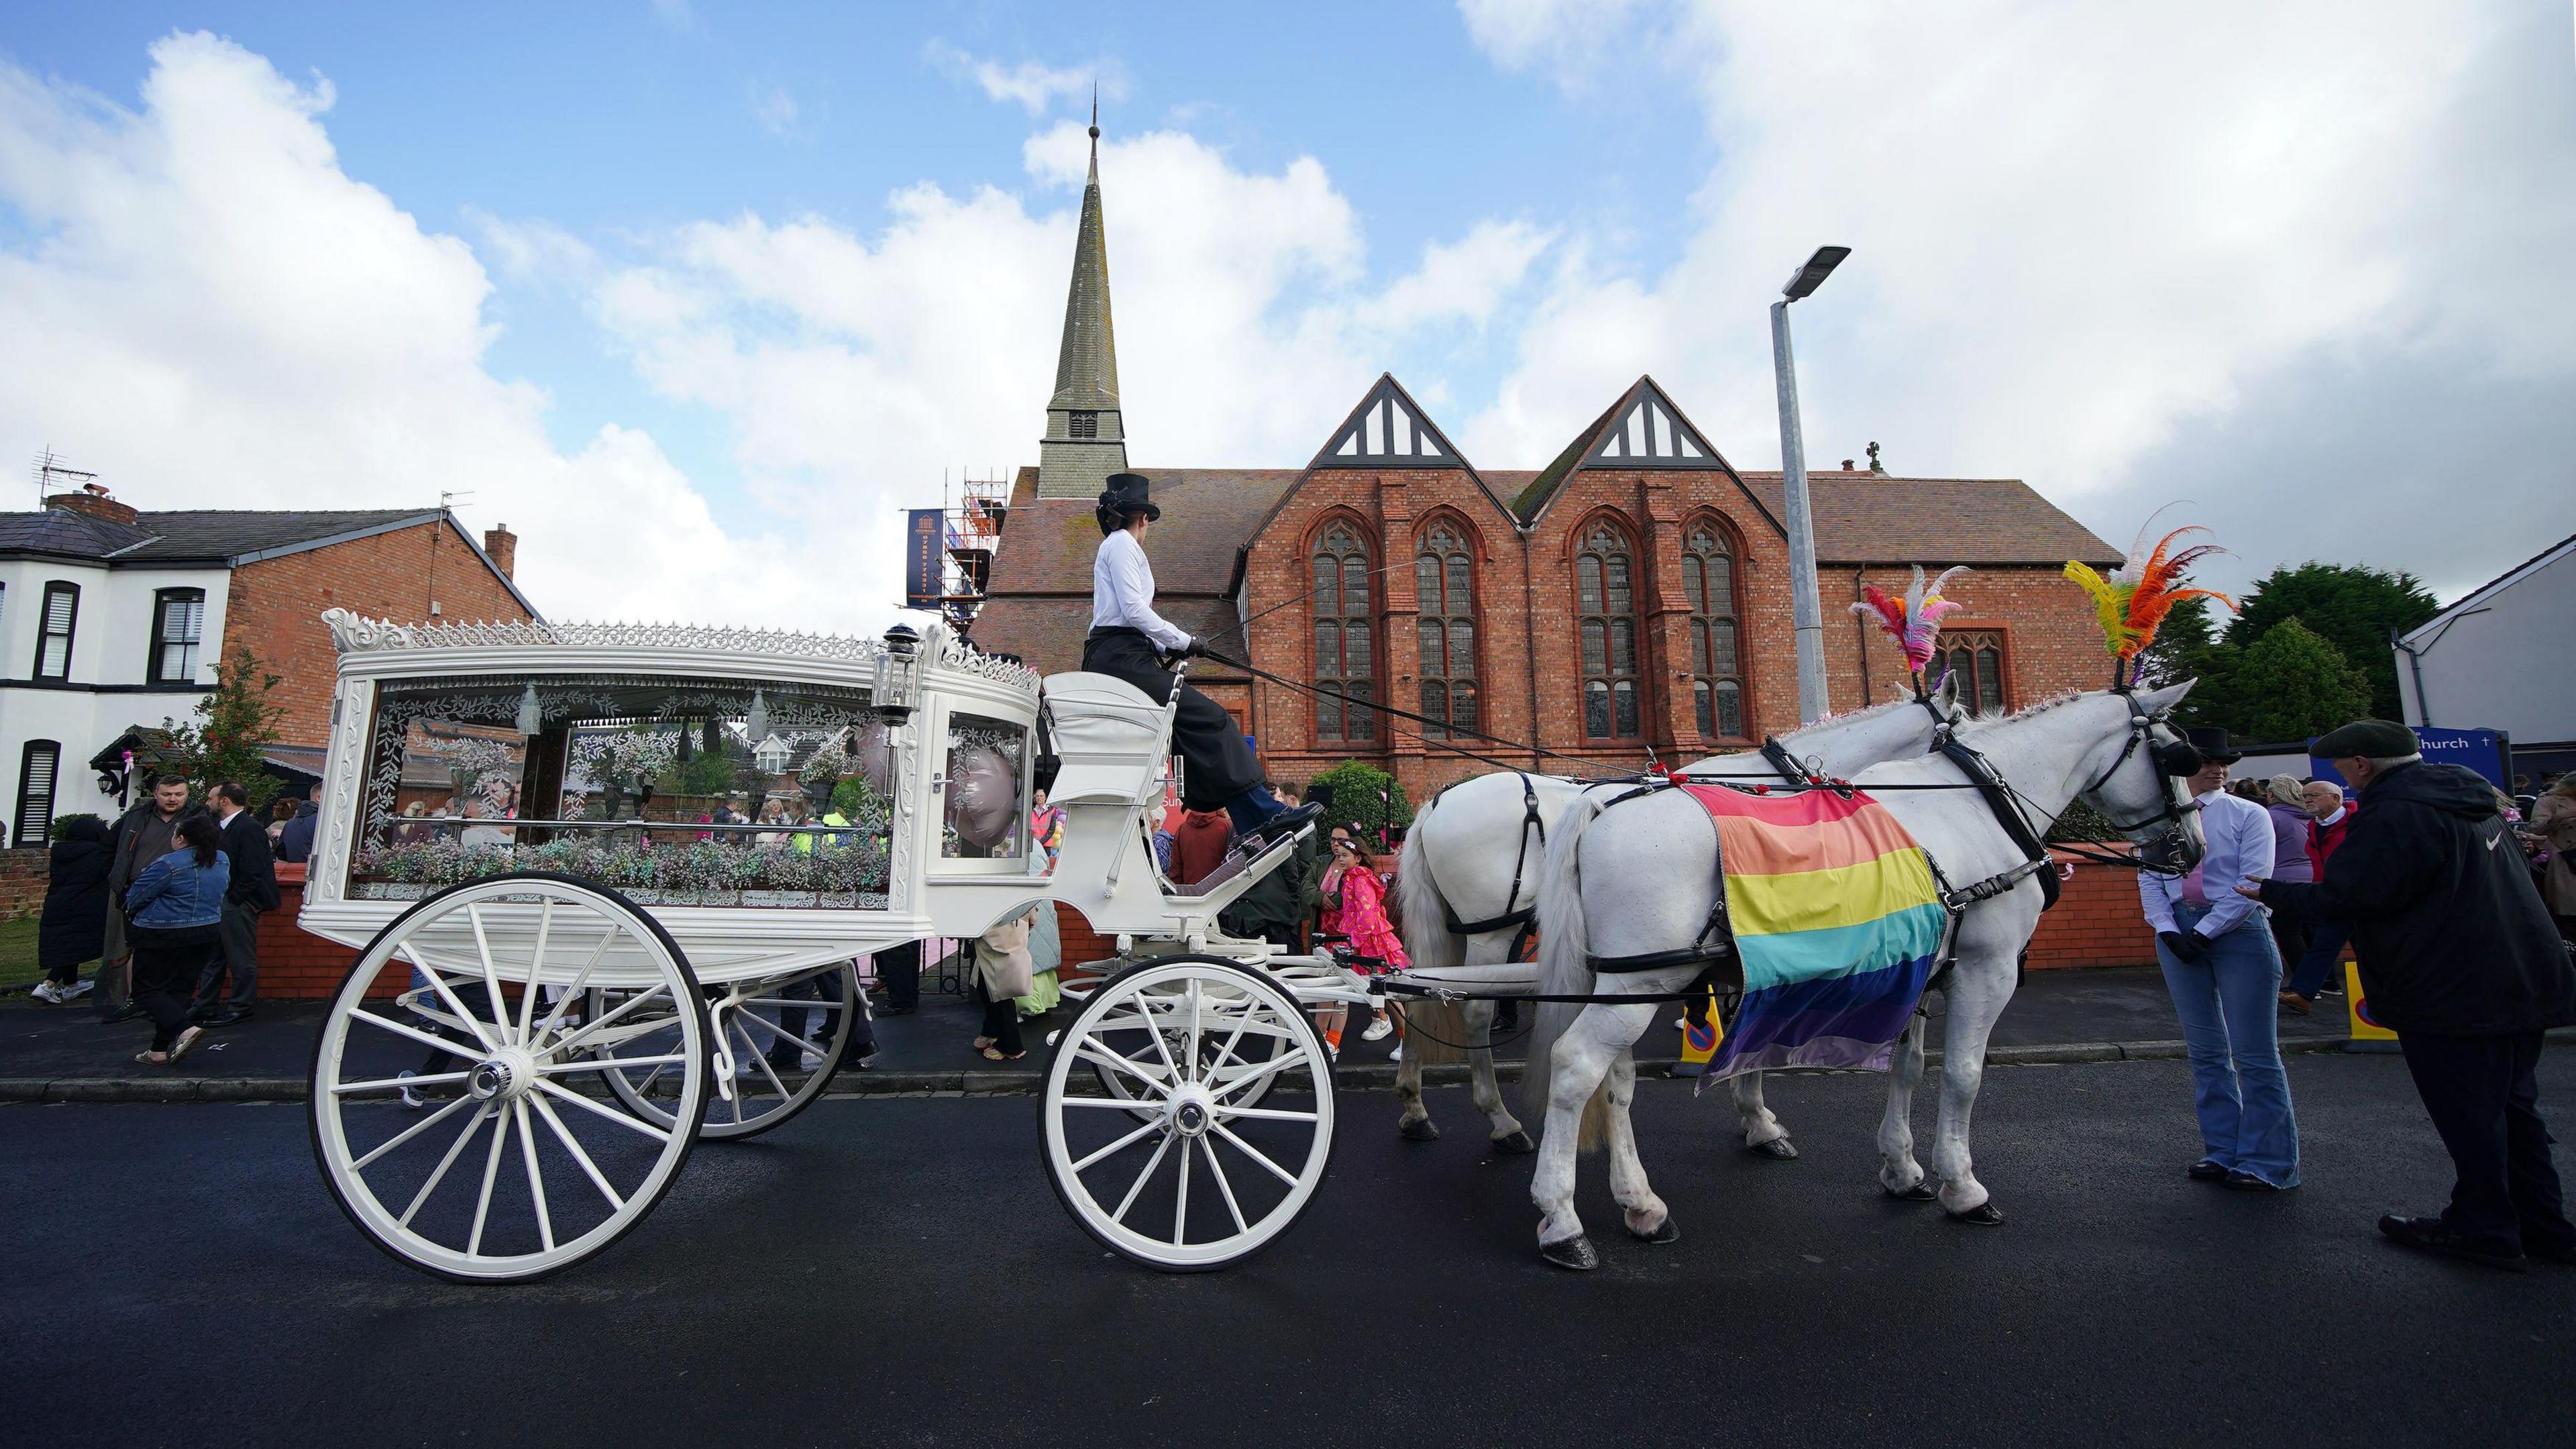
(454, 1101)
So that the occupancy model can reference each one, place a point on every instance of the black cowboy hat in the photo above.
(2212, 744)
(1128, 494)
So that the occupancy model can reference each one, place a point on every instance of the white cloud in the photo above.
(2091, 240)
(775, 109)
(1032, 85)
(533, 251)
(210, 313)
(1464, 281)
(674, 13)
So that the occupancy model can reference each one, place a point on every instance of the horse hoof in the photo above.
(1983, 1215)
(1419, 1129)
(1516, 1144)
(1664, 1233)
(1778, 1149)
(1919, 1192)
(1575, 1252)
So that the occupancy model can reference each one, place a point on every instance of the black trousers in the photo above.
(238, 936)
(1218, 765)
(2483, 1095)
(899, 967)
(164, 977)
(1001, 1015)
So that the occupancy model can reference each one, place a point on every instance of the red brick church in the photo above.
(1631, 595)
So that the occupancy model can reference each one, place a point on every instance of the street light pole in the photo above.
(1806, 607)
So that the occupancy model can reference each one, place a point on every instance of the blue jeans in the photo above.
(2319, 962)
(2228, 1004)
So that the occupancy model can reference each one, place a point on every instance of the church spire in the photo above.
(1085, 441)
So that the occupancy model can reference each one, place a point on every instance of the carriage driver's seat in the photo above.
(1110, 739)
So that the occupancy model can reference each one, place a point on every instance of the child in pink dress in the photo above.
(1355, 906)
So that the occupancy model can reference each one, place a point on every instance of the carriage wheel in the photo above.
(773, 1029)
(439, 1006)
(1248, 1058)
(1186, 1175)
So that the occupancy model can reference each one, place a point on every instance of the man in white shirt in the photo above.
(2225, 975)
(1129, 641)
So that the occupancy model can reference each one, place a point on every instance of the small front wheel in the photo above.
(1178, 1169)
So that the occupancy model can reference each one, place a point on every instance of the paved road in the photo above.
(895, 1272)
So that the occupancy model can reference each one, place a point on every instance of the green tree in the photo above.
(2293, 684)
(2354, 607)
(234, 727)
(1366, 796)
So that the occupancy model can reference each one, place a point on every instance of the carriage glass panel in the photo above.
(987, 769)
(674, 790)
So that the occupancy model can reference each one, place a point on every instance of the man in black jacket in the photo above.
(2459, 958)
(252, 894)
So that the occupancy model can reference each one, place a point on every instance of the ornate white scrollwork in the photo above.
(958, 654)
(352, 633)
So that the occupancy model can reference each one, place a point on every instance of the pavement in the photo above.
(63, 1054)
(896, 1271)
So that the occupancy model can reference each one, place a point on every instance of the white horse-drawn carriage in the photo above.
(566, 978)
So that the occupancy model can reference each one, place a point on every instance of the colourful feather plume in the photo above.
(2134, 600)
(1914, 621)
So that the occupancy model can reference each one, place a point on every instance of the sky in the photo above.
(696, 297)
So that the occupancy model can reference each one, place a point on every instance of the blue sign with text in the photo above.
(2480, 750)
(924, 533)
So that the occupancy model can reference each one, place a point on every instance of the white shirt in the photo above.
(1122, 592)
(2238, 836)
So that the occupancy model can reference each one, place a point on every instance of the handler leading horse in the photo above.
(1640, 879)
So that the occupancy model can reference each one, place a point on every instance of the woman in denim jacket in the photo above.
(171, 911)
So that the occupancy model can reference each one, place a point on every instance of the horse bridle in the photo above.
(2174, 759)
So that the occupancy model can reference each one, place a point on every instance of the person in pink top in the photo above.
(1355, 902)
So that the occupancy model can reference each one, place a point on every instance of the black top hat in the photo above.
(2212, 743)
(1128, 494)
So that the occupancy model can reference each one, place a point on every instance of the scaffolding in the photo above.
(975, 515)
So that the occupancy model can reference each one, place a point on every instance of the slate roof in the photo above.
(215, 536)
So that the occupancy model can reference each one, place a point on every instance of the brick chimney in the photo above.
(93, 499)
(503, 547)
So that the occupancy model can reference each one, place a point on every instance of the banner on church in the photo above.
(923, 535)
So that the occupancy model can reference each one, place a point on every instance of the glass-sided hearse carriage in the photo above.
(608, 883)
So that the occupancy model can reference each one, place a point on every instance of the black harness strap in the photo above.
(1703, 951)
(1990, 787)
(1516, 914)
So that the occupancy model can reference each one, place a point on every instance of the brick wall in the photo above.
(1526, 620)
(2096, 922)
(23, 878)
(295, 965)
(276, 607)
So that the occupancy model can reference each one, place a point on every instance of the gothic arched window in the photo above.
(1717, 676)
(1606, 608)
(1345, 665)
(1976, 657)
(1444, 591)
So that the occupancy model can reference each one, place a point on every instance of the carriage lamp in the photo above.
(893, 692)
(532, 714)
(755, 722)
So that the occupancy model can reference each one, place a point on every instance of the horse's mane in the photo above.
(2055, 701)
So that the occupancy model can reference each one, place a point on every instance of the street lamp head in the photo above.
(1813, 274)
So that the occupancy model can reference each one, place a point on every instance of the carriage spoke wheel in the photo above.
(512, 1164)
(1183, 1172)
(783, 1038)
(1218, 1059)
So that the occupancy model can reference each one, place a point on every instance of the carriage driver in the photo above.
(1129, 642)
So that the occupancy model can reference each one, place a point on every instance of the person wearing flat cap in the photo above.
(2224, 971)
(1130, 642)
(2460, 959)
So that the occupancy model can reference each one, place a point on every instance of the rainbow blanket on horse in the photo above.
(1836, 920)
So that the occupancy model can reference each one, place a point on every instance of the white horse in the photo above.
(1472, 860)
(1642, 878)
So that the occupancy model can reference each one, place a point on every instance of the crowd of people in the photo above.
(2456, 908)
(167, 901)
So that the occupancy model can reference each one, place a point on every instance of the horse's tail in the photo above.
(1564, 967)
(1432, 945)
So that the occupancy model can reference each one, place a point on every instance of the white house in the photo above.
(111, 618)
(2502, 658)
